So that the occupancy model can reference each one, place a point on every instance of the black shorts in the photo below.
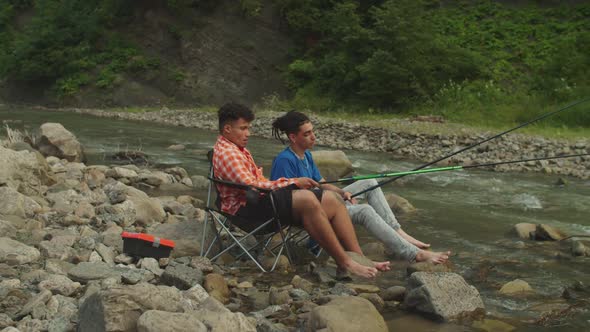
(253, 215)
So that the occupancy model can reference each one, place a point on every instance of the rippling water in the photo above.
(468, 212)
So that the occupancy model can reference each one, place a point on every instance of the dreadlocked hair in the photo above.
(288, 124)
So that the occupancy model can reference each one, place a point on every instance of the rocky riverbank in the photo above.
(64, 267)
(406, 139)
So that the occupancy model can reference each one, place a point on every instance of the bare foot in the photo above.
(412, 240)
(382, 266)
(432, 257)
(360, 270)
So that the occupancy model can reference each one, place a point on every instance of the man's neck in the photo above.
(298, 151)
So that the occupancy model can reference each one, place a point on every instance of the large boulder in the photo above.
(332, 164)
(346, 314)
(57, 141)
(444, 296)
(119, 308)
(24, 171)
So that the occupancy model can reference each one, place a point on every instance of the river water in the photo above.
(468, 212)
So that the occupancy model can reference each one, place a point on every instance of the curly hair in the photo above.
(232, 112)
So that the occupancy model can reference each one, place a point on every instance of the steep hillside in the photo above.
(200, 57)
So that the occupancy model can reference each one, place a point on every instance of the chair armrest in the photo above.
(240, 185)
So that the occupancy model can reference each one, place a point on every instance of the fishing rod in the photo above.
(541, 117)
(448, 168)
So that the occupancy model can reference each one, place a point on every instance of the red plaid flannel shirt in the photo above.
(235, 164)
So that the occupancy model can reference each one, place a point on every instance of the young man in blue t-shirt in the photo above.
(376, 216)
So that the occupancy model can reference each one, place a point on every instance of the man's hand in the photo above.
(348, 197)
(306, 183)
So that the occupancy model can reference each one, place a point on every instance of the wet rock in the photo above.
(576, 291)
(394, 293)
(428, 267)
(342, 290)
(216, 285)
(344, 314)
(399, 205)
(525, 230)
(181, 276)
(332, 164)
(579, 249)
(375, 299)
(364, 288)
(163, 321)
(515, 287)
(548, 233)
(492, 325)
(444, 296)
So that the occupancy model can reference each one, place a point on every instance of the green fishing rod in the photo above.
(476, 144)
(448, 168)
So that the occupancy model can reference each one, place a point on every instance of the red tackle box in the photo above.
(146, 245)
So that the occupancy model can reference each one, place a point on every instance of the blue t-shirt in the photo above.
(288, 165)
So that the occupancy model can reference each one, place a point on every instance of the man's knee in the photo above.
(305, 199)
(369, 183)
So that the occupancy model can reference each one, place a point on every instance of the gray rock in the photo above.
(548, 233)
(444, 295)
(394, 293)
(85, 272)
(346, 314)
(15, 253)
(119, 308)
(57, 141)
(14, 203)
(342, 290)
(36, 301)
(332, 164)
(187, 237)
(7, 229)
(181, 276)
(525, 230)
(132, 276)
(59, 284)
(163, 321)
(24, 171)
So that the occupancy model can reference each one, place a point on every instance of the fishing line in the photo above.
(449, 168)
(475, 144)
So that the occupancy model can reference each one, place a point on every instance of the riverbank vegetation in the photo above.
(485, 63)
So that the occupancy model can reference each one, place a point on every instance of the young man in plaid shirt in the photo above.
(323, 215)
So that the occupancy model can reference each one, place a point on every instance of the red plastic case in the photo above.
(146, 245)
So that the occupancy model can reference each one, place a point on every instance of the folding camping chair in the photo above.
(225, 223)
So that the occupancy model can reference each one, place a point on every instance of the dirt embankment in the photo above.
(206, 58)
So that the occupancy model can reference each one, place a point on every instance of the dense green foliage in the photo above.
(474, 60)
(67, 43)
